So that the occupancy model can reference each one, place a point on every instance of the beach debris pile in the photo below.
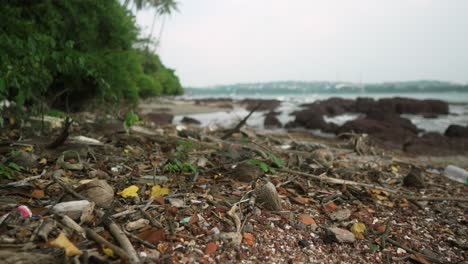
(186, 194)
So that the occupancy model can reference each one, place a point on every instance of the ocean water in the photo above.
(458, 106)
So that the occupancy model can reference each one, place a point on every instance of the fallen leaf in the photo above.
(307, 220)
(358, 230)
(381, 228)
(130, 191)
(300, 200)
(158, 191)
(211, 248)
(38, 194)
(330, 207)
(63, 242)
(419, 259)
(249, 239)
(152, 235)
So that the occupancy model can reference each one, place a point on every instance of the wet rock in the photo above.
(24, 159)
(312, 119)
(332, 107)
(190, 121)
(247, 172)
(334, 234)
(436, 144)
(340, 215)
(266, 104)
(271, 121)
(387, 129)
(303, 243)
(158, 118)
(456, 131)
(98, 191)
(415, 178)
(401, 105)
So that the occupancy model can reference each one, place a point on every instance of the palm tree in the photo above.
(161, 8)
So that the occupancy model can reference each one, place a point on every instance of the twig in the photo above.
(146, 244)
(455, 199)
(63, 135)
(240, 124)
(123, 240)
(103, 242)
(153, 221)
(385, 234)
(397, 244)
(327, 179)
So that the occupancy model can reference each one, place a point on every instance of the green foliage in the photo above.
(82, 50)
(262, 165)
(130, 120)
(268, 168)
(277, 162)
(177, 166)
(8, 170)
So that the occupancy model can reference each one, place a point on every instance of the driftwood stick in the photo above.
(103, 242)
(327, 179)
(146, 244)
(240, 124)
(63, 135)
(123, 240)
(405, 247)
(431, 198)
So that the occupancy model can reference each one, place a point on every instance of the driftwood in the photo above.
(63, 135)
(240, 124)
(323, 177)
(103, 242)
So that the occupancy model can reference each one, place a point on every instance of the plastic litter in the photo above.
(457, 174)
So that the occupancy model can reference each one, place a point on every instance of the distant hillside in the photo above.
(297, 87)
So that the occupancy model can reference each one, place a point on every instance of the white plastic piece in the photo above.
(69, 207)
(457, 174)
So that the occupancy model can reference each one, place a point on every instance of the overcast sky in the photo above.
(213, 42)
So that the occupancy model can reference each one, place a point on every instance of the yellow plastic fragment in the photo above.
(358, 230)
(130, 191)
(158, 191)
(108, 252)
(63, 242)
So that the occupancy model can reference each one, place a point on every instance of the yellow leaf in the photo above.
(358, 229)
(394, 168)
(28, 148)
(158, 191)
(130, 191)
(108, 252)
(63, 242)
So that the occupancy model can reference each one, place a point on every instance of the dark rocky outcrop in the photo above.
(387, 129)
(435, 144)
(457, 131)
(271, 121)
(265, 104)
(190, 121)
(158, 118)
(399, 105)
(312, 119)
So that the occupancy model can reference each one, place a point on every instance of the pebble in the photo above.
(334, 234)
(340, 215)
(304, 243)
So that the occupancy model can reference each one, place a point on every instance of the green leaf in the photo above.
(276, 161)
(14, 166)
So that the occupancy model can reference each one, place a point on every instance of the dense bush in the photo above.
(76, 51)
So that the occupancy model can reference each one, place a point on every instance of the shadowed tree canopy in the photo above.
(76, 52)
